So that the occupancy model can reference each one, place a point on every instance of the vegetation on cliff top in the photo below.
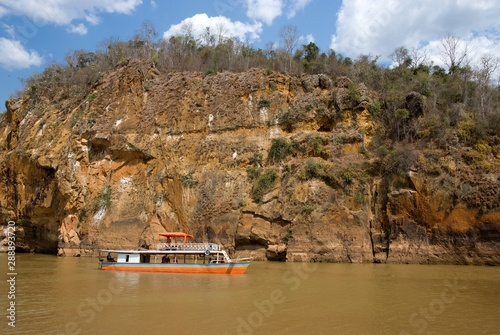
(417, 104)
(461, 96)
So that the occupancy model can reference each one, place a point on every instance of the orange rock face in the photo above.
(152, 152)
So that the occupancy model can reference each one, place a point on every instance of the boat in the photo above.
(178, 253)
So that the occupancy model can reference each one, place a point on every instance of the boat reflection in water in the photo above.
(172, 256)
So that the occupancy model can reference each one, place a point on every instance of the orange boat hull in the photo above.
(221, 268)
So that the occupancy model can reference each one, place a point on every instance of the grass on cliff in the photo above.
(280, 149)
(188, 180)
(103, 200)
(263, 184)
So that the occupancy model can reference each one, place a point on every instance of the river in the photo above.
(63, 295)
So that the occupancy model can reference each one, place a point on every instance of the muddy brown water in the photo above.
(63, 295)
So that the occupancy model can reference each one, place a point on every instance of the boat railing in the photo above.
(202, 247)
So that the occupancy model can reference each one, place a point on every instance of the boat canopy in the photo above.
(177, 234)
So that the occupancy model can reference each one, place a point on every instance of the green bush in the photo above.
(483, 147)
(264, 103)
(353, 95)
(210, 71)
(403, 113)
(280, 149)
(313, 168)
(81, 216)
(317, 141)
(435, 170)
(188, 180)
(75, 119)
(253, 172)
(264, 184)
(308, 209)
(359, 198)
(346, 177)
(256, 159)
(345, 138)
(91, 97)
(465, 130)
(155, 59)
(375, 108)
(286, 116)
(477, 160)
(123, 61)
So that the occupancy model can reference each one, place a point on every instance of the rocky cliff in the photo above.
(272, 166)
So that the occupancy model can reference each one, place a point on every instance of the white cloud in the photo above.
(153, 3)
(3, 11)
(79, 29)
(11, 30)
(379, 27)
(296, 6)
(64, 12)
(15, 56)
(267, 10)
(199, 22)
(264, 10)
(305, 40)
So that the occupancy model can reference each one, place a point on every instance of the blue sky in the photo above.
(34, 33)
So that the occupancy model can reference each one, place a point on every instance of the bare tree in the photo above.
(221, 32)
(187, 28)
(208, 37)
(290, 36)
(454, 52)
(418, 57)
(489, 64)
(400, 56)
(148, 32)
(483, 75)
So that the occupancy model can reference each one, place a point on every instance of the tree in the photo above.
(454, 52)
(147, 32)
(419, 58)
(311, 56)
(221, 32)
(290, 37)
(208, 37)
(311, 52)
(488, 65)
(400, 56)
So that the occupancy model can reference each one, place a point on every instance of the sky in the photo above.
(35, 33)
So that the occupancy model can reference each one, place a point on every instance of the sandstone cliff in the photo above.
(271, 166)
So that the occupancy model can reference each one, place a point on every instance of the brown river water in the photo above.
(63, 295)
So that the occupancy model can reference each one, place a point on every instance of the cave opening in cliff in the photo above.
(276, 256)
(325, 124)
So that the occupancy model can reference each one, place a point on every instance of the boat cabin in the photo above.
(175, 252)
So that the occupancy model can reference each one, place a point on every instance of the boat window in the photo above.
(126, 259)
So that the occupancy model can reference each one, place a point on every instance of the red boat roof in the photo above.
(176, 234)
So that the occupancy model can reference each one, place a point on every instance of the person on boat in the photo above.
(165, 259)
(109, 258)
